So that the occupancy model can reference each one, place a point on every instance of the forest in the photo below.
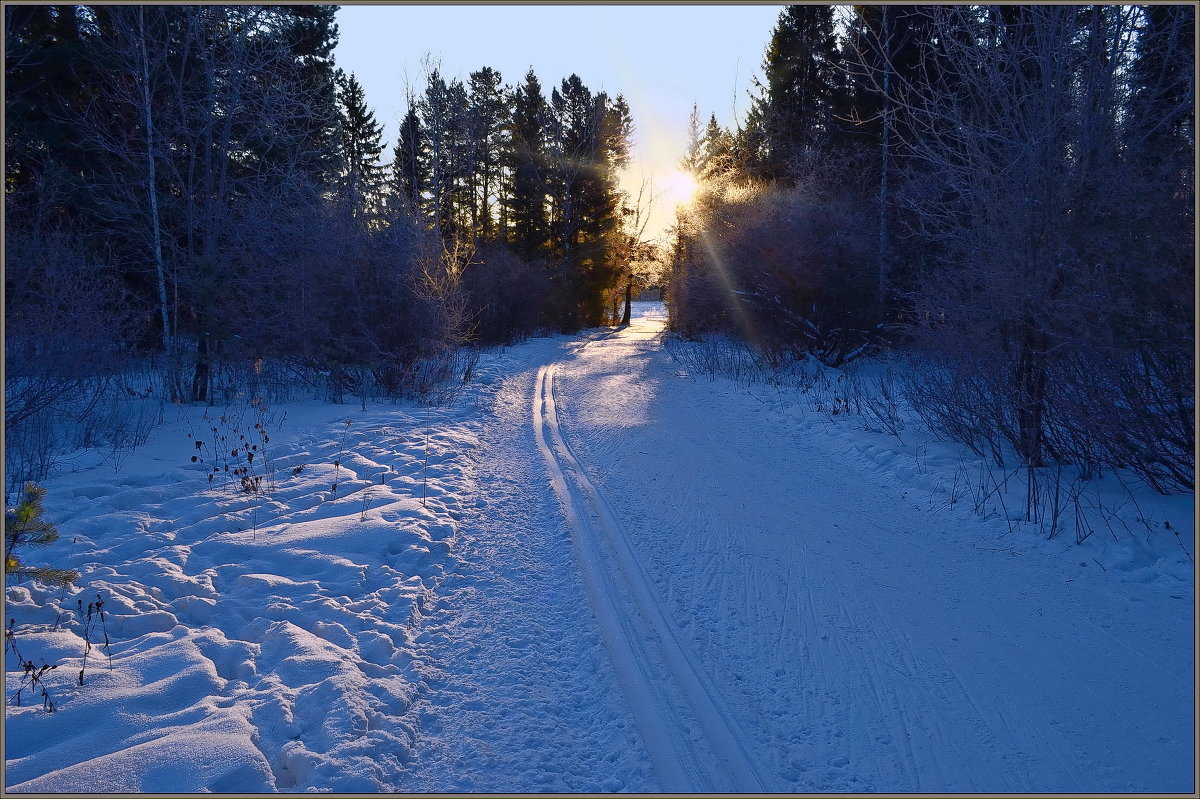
(199, 205)
(1001, 195)
(198, 195)
(339, 456)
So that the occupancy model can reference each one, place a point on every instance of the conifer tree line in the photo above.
(1002, 194)
(527, 183)
(203, 187)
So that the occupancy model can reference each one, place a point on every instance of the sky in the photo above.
(661, 58)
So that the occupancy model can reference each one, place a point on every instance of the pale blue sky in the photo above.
(661, 57)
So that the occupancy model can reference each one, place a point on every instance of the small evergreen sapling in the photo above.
(25, 527)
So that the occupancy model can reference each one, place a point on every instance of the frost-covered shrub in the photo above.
(505, 295)
(786, 271)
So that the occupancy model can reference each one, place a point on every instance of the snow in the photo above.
(598, 570)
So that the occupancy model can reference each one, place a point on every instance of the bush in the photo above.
(789, 272)
(505, 295)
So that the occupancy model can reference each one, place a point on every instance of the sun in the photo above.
(679, 187)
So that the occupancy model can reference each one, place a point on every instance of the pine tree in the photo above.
(409, 176)
(527, 164)
(361, 147)
(25, 527)
(794, 108)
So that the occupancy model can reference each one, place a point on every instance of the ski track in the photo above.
(529, 700)
(684, 724)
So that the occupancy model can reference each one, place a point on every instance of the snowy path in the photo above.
(591, 573)
(523, 697)
(684, 723)
(861, 641)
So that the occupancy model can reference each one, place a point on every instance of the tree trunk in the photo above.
(1030, 378)
(628, 304)
(151, 182)
(883, 175)
(200, 377)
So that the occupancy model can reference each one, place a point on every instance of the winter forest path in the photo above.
(590, 572)
(778, 618)
(691, 738)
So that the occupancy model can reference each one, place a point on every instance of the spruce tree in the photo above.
(591, 147)
(692, 156)
(575, 149)
(361, 147)
(409, 175)
(794, 108)
(716, 151)
(312, 35)
(488, 117)
(446, 156)
(527, 162)
(460, 164)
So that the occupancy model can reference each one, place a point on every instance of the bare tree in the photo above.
(1018, 175)
(640, 259)
(64, 324)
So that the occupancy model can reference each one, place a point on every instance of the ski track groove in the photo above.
(725, 765)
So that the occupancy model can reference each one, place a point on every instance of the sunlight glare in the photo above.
(680, 187)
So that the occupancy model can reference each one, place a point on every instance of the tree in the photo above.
(309, 35)
(616, 223)
(487, 113)
(1161, 126)
(446, 158)
(575, 148)
(25, 527)
(46, 163)
(884, 45)
(232, 124)
(361, 140)
(590, 146)
(527, 165)
(1013, 153)
(690, 162)
(794, 108)
(409, 174)
(716, 152)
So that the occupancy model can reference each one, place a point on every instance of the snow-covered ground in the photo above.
(595, 570)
